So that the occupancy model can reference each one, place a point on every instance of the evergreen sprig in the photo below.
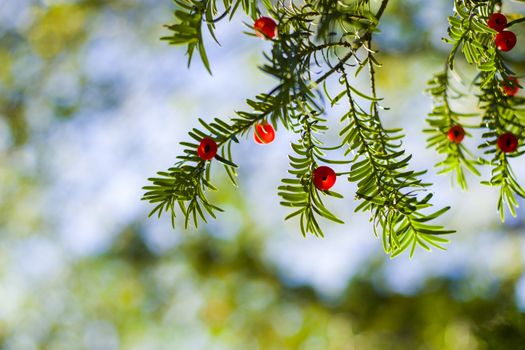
(192, 15)
(470, 34)
(440, 120)
(386, 188)
(468, 30)
(183, 185)
(500, 116)
(299, 191)
(317, 39)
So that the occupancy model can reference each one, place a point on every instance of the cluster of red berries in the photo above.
(263, 134)
(505, 40)
(323, 177)
(507, 142)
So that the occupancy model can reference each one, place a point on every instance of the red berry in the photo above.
(507, 142)
(207, 149)
(505, 40)
(324, 178)
(497, 21)
(264, 133)
(511, 86)
(265, 28)
(456, 134)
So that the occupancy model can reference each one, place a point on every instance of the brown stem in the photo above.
(358, 43)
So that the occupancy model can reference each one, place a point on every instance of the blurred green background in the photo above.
(92, 103)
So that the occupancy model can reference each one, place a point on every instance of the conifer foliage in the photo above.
(314, 41)
(481, 35)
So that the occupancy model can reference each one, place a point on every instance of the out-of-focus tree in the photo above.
(216, 293)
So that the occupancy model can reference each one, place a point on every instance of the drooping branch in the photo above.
(386, 188)
(481, 34)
